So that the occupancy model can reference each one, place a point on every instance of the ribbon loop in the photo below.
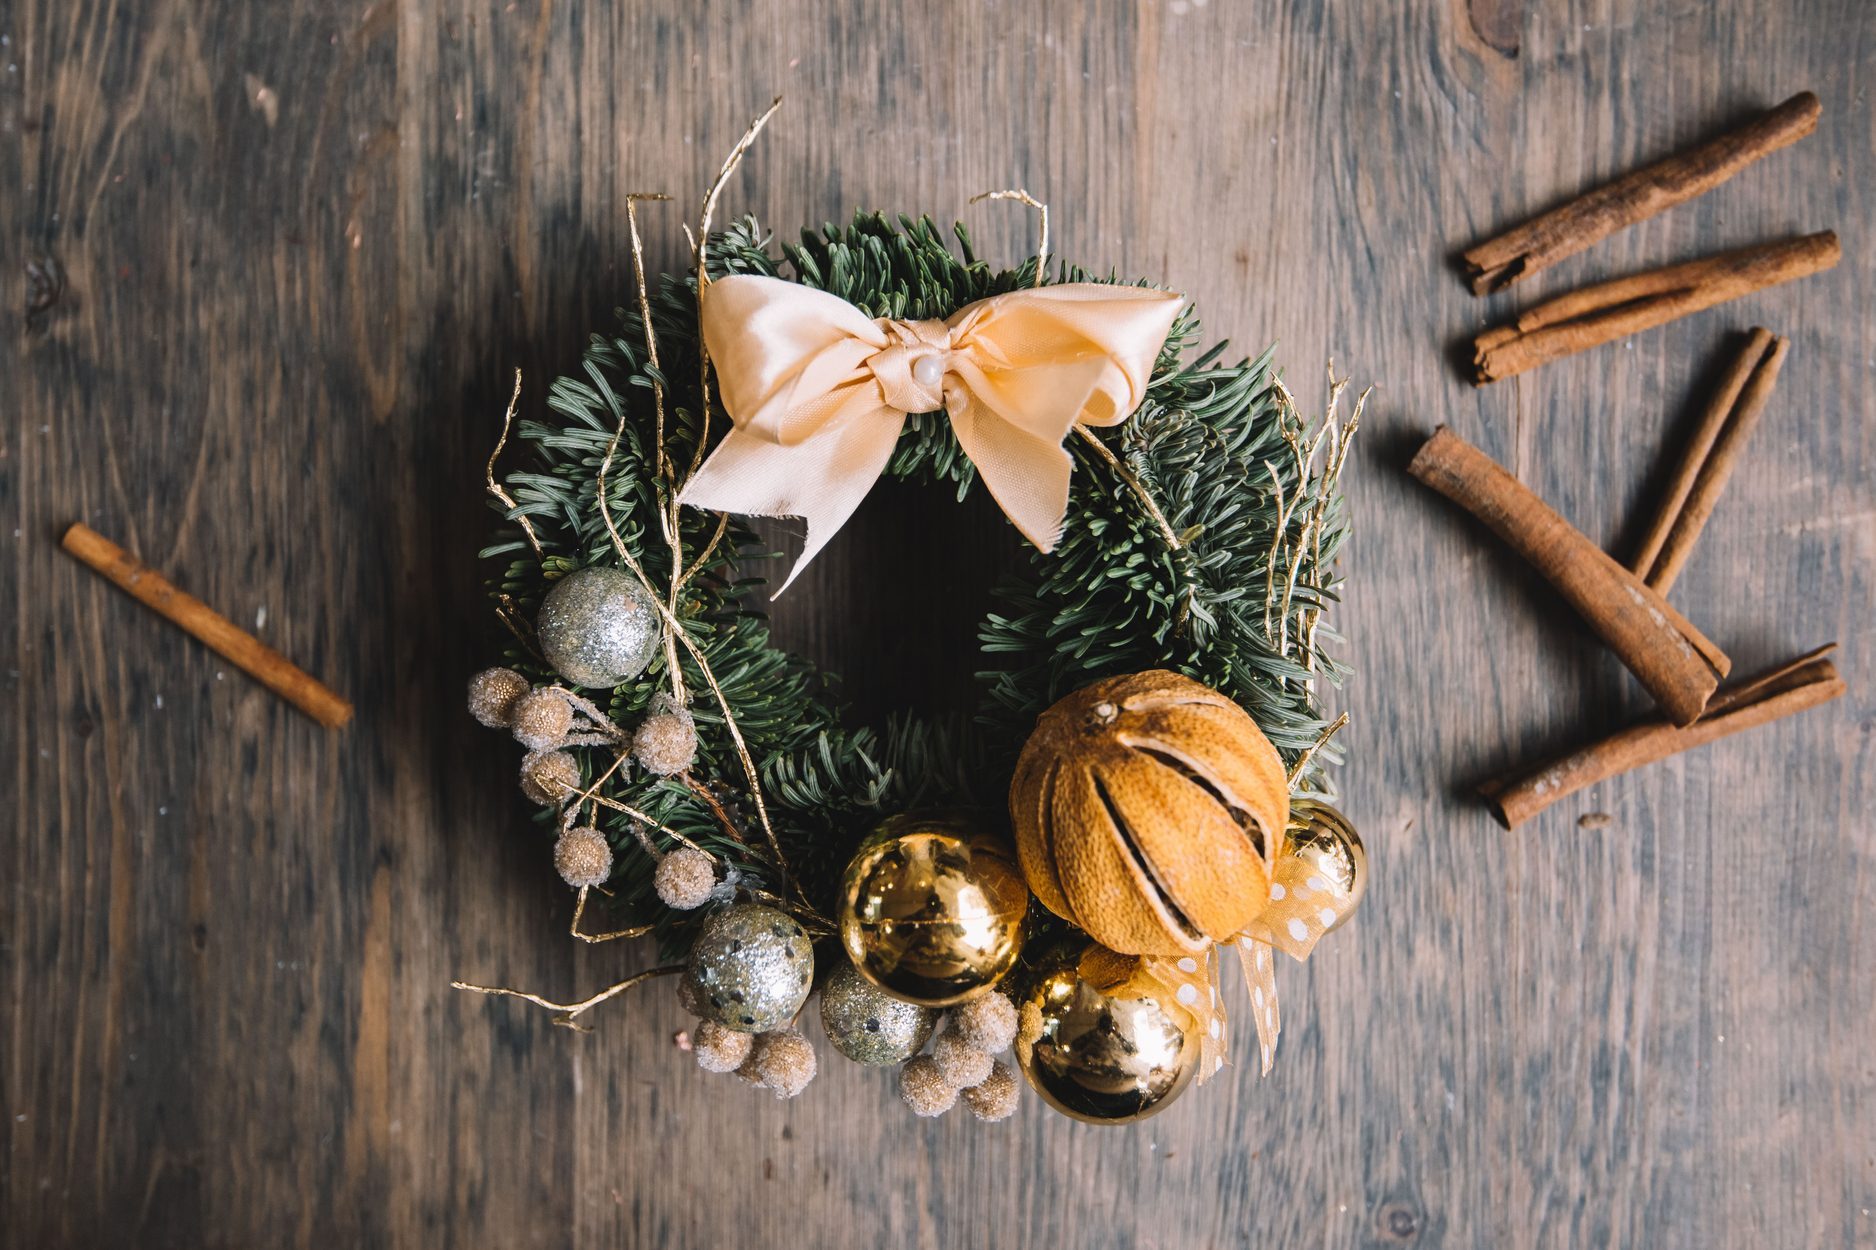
(818, 393)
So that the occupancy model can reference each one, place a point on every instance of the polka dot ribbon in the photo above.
(1193, 984)
(1303, 907)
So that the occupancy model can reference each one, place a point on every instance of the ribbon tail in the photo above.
(1190, 989)
(1260, 978)
(821, 480)
(1215, 1041)
(1026, 475)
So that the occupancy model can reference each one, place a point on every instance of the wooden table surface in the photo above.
(268, 268)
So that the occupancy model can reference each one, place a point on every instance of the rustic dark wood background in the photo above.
(267, 268)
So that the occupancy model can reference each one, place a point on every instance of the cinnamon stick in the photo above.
(1703, 472)
(1599, 314)
(1806, 682)
(202, 622)
(1595, 215)
(1679, 666)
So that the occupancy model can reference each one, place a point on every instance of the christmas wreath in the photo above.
(1144, 779)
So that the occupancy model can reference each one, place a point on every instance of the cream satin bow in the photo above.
(819, 392)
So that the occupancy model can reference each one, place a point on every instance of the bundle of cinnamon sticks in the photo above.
(1627, 606)
(1606, 311)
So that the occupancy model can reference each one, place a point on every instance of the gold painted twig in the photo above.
(594, 939)
(1133, 483)
(568, 1011)
(702, 245)
(668, 508)
(1322, 740)
(494, 487)
(1023, 197)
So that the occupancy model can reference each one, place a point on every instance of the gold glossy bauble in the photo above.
(1147, 810)
(931, 910)
(1321, 837)
(1100, 1057)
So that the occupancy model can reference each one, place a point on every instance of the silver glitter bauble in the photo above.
(868, 1025)
(598, 627)
(751, 968)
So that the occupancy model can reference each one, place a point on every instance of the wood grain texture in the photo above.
(268, 265)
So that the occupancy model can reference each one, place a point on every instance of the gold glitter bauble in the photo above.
(685, 878)
(1322, 838)
(924, 1088)
(719, 1048)
(583, 857)
(541, 719)
(785, 1061)
(995, 1098)
(1147, 809)
(1096, 1057)
(492, 695)
(666, 743)
(547, 777)
(931, 910)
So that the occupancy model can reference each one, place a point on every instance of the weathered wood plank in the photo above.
(271, 264)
